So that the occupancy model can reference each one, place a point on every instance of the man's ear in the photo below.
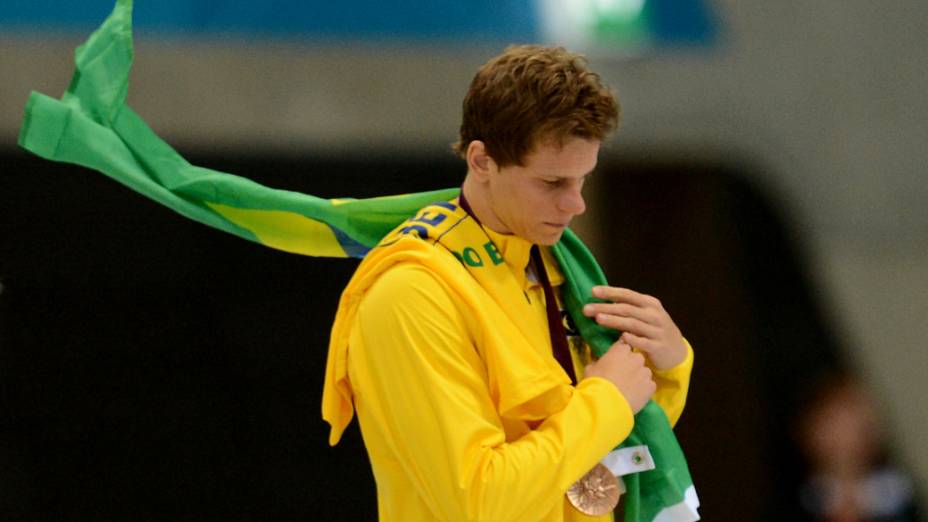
(479, 162)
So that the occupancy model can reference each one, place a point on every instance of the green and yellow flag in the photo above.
(92, 126)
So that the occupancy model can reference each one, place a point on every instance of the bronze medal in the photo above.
(596, 493)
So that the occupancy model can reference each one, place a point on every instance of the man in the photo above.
(448, 341)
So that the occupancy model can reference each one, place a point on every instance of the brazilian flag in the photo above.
(93, 127)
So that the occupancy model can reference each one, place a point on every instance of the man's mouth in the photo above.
(556, 225)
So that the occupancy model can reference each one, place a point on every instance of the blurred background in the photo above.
(766, 184)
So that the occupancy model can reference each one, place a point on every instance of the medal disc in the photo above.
(596, 493)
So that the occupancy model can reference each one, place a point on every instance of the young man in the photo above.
(445, 340)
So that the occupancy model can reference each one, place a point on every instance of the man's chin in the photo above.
(549, 239)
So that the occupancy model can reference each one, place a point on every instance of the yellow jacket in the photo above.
(464, 412)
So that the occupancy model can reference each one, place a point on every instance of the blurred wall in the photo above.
(826, 100)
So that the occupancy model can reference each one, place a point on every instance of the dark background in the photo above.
(152, 368)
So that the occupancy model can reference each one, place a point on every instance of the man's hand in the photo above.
(627, 371)
(644, 323)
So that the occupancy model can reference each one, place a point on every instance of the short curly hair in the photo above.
(530, 94)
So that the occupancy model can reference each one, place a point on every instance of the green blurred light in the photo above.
(591, 24)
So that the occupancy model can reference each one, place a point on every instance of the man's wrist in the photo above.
(668, 361)
(672, 365)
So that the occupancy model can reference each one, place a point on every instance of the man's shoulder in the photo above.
(412, 292)
(429, 224)
(410, 276)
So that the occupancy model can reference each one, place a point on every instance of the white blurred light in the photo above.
(623, 9)
(573, 23)
(565, 22)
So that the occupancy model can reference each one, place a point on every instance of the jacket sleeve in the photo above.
(673, 386)
(421, 394)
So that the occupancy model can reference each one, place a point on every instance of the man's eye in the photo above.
(552, 182)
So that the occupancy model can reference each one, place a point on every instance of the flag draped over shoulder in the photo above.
(92, 126)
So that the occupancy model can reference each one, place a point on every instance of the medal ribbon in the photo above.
(555, 324)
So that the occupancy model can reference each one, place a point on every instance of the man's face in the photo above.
(538, 200)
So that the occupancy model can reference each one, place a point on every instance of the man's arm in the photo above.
(673, 386)
(422, 395)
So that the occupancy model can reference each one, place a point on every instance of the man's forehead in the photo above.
(578, 153)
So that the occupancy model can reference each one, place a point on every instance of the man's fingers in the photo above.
(647, 315)
(619, 347)
(621, 350)
(625, 295)
(628, 371)
(640, 343)
(627, 324)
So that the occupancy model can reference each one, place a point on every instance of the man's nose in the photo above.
(572, 201)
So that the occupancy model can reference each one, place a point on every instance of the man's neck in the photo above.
(479, 201)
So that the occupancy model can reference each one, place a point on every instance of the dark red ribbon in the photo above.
(555, 323)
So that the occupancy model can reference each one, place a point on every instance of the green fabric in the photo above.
(92, 126)
(649, 492)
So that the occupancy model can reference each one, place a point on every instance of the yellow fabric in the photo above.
(302, 235)
(464, 412)
(673, 385)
